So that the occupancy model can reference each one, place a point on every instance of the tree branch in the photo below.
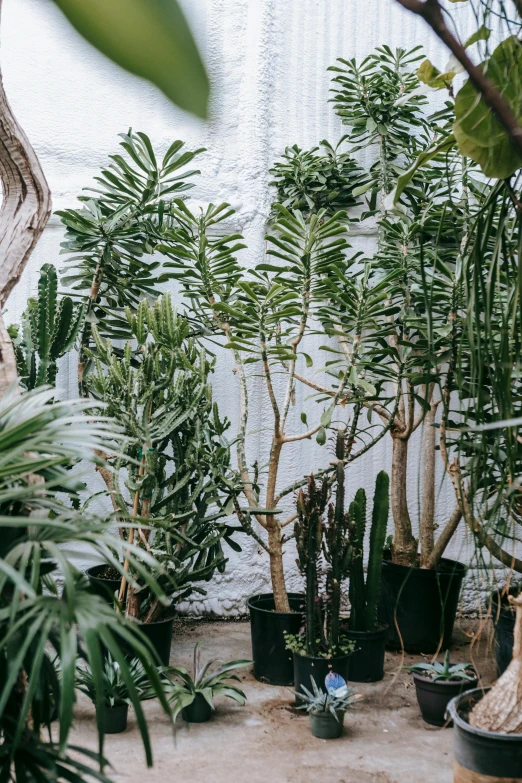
(431, 12)
(24, 214)
(302, 436)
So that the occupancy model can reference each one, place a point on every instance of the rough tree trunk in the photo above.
(501, 709)
(26, 206)
(404, 550)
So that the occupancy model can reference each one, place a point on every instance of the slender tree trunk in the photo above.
(427, 520)
(404, 550)
(277, 573)
(25, 210)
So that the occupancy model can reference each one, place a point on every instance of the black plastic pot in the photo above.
(434, 696)
(272, 661)
(420, 605)
(479, 752)
(160, 636)
(306, 667)
(197, 712)
(324, 725)
(104, 587)
(115, 719)
(504, 621)
(367, 659)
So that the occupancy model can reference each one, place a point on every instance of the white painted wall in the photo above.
(267, 60)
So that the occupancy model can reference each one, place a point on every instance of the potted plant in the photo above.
(364, 628)
(327, 708)
(438, 683)
(503, 615)
(193, 694)
(112, 712)
(323, 551)
(170, 487)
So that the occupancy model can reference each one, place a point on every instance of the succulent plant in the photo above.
(184, 688)
(115, 688)
(337, 698)
(364, 595)
(444, 672)
(49, 328)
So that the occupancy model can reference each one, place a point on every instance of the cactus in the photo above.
(309, 530)
(48, 331)
(364, 598)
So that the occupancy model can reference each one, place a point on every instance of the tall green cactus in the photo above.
(364, 597)
(381, 505)
(49, 329)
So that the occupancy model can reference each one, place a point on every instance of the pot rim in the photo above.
(444, 683)
(465, 726)
(257, 596)
(322, 657)
(141, 624)
(325, 713)
(459, 569)
(101, 578)
(380, 631)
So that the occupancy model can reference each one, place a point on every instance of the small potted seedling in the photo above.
(436, 685)
(115, 707)
(193, 694)
(327, 708)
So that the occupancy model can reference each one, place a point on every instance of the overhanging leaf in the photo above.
(150, 38)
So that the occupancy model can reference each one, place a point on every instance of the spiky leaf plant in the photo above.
(173, 482)
(45, 602)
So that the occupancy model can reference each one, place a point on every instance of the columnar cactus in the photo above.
(50, 327)
(364, 598)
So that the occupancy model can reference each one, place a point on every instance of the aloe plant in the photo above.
(49, 328)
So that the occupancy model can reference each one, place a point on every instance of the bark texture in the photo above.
(404, 549)
(501, 709)
(25, 210)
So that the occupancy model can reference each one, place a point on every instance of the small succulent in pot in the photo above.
(327, 708)
(437, 683)
(113, 709)
(444, 672)
(193, 694)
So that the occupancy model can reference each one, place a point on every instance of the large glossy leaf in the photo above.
(479, 134)
(150, 38)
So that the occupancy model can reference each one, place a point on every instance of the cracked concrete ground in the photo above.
(385, 739)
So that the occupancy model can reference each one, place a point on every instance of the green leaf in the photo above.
(149, 38)
(444, 146)
(479, 134)
(482, 34)
(321, 436)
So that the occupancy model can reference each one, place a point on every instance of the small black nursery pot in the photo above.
(434, 696)
(115, 719)
(367, 659)
(324, 725)
(104, 580)
(197, 712)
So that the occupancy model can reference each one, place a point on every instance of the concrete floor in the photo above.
(385, 739)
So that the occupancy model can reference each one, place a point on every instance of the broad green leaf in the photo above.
(149, 38)
(430, 75)
(479, 134)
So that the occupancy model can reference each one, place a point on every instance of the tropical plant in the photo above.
(45, 602)
(444, 672)
(49, 329)
(109, 242)
(115, 689)
(175, 463)
(337, 699)
(310, 182)
(184, 686)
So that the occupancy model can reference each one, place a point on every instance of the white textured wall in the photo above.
(267, 60)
